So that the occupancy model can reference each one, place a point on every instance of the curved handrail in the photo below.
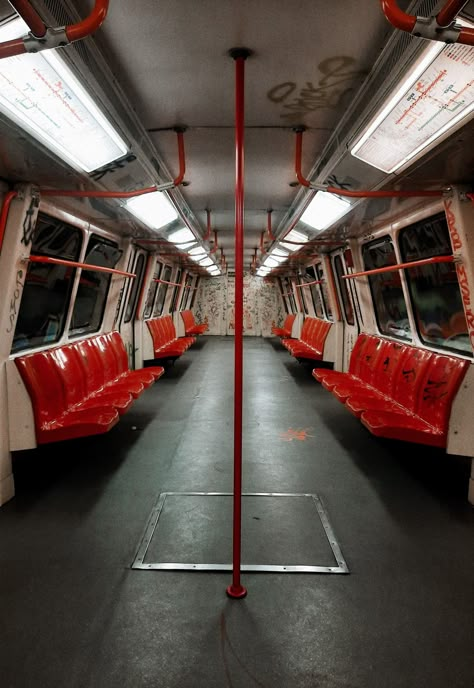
(9, 196)
(441, 27)
(45, 38)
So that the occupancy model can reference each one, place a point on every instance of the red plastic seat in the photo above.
(285, 330)
(165, 342)
(310, 345)
(191, 327)
(55, 419)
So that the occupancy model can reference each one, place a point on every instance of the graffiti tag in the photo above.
(14, 301)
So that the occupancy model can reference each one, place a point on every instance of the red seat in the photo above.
(191, 327)
(165, 342)
(79, 389)
(55, 419)
(310, 345)
(399, 391)
(285, 330)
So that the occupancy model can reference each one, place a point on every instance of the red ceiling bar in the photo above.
(207, 235)
(352, 194)
(236, 589)
(44, 38)
(9, 196)
(30, 16)
(75, 264)
(440, 28)
(269, 226)
(402, 266)
(216, 245)
(308, 284)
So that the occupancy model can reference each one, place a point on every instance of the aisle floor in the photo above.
(73, 612)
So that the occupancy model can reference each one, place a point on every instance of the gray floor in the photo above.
(73, 613)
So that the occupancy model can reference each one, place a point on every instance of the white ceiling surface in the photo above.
(171, 59)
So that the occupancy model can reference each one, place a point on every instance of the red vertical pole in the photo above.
(236, 590)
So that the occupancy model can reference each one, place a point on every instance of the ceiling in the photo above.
(170, 59)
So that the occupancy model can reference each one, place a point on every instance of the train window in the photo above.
(135, 289)
(174, 300)
(91, 297)
(303, 297)
(160, 297)
(289, 294)
(47, 288)
(315, 294)
(185, 294)
(150, 299)
(194, 292)
(434, 288)
(323, 290)
(346, 299)
(386, 289)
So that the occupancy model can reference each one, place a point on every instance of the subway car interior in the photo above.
(236, 351)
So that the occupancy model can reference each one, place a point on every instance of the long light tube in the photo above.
(324, 210)
(40, 93)
(153, 209)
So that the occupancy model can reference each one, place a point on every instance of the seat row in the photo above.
(82, 388)
(310, 345)
(166, 344)
(397, 390)
(285, 330)
(191, 327)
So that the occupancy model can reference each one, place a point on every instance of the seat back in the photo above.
(43, 383)
(438, 387)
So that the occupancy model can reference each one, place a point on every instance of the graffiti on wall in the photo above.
(215, 303)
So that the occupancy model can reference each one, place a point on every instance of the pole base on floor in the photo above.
(236, 592)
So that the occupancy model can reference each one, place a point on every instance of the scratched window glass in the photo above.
(323, 290)
(344, 292)
(315, 292)
(46, 288)
(193, 293)
(174, 300)
(91, 297)
(160, 298)
(386, 289)
(434, 288)
(150, 299)
(185, 294)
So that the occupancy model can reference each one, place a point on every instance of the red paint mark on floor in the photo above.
(294, 434)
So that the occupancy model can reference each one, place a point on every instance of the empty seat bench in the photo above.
(191, 327)
(285, 330)
(310, 345)
(397, 390)
(166, 345)
(80, 389)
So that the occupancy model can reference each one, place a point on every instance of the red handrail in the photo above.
(402, 266)
(40, 33)
(75, 264)
(173, 284)
(30, 16)
(207, 235)
(269, 225)
(308, 284)
(9, 196)
(216, 246)
(440, 28)
(353, 194)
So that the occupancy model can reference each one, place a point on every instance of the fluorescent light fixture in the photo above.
(435, 98)
(154, 209)
(206, 262)
(182, 235)
(198, 251)
(40, 93)
(270, 262)
(264, 270)
(199, 257)
(324, 210)
(214, 270)
(279, 259)
(294, 236)
(279, 252)
(262, 273)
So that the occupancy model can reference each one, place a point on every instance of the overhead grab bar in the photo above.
(75, 264)
(441, 27)
(42, 37)
(216, 246)
(9, 196)
(173, 284)
(269, 225)
(345, 192)
(401, 266)
(308, 284)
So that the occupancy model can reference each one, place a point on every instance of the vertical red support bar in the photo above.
(236, 590)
